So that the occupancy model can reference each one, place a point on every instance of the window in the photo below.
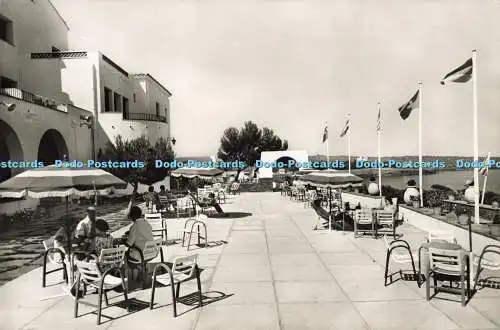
(157, 108)
(166, 114)
(107, 100)
(55, 49)
(7, 83)
(117, 102)
(135, 100)
(6, 33)
(125, 105)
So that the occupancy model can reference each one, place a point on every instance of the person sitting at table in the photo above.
(140, 232)
(85, 231)
(103, 239)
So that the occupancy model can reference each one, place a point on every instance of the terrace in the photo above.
(275, 272)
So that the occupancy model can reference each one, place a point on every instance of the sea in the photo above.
(452, 179)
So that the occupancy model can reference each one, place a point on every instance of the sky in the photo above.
(292, 65)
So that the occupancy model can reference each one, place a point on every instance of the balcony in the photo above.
(32, 98)
(144, 116)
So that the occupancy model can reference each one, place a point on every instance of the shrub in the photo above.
(440, 187)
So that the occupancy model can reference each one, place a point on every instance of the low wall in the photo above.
(15, 206)
(365, 200)
(429, 223)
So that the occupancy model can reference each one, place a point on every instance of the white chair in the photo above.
(491, 264)
(195, 226)
(91, 276)
(386, 222)
(395, 254)
(158, 224)
(441, 235)
(363, 223)
(183, 269)
(151, 250)
(54, 256)
(112, 257)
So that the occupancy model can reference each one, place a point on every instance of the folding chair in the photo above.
(54, 256)
(183, 270)
(363, 223)
(159, 226)
(91, 276)
(448, 266)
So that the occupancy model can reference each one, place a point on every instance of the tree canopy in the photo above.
(247, 143)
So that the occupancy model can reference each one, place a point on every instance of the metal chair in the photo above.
(363, 223)
(195, 226)
(54, 256)
(489, 265)
(151, 250)
(159, 226)
(183, 270)
(394, 254)
(91, 276)
(448, 266)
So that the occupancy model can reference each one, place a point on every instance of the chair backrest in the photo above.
(447, 260)
(363, 216)
(112, 255)
(185, 265)
(492, 261)
(385, 217)
(442, 236)
(89, 271)
(151, 249)
(156, 222)
(53, 258)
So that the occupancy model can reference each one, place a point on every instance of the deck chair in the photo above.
(364, 223)
(448, 266)
(399, 251)
(159, 226)
(183, 270)
(386, 223)
(55, 257)
(151, 251)
(89, 275)
(491, 265)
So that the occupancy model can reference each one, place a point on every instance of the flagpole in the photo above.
(349, 142)
(475, 130)
(420, 170)
(485, 178)
(327, 147)
(378, 153)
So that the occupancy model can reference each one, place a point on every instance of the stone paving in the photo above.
(269, 270)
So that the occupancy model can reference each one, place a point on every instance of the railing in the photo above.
(58, 55)
(31, 98)
(144, 116)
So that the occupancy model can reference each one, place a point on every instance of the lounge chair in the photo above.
(339, 220)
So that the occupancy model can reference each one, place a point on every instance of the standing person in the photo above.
(85, 231)
(152, 199)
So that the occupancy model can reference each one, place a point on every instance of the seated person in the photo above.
(211, 201)
(140, 232)
(103, 239)
(85, 231)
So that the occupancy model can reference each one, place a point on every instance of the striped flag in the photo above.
(408, 107)
(484, 169)
(461, 74)
(379, 123)
(345, 129)
(325, 134)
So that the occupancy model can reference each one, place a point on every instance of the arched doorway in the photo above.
(10, 149)
(52, 147)
(284, 160)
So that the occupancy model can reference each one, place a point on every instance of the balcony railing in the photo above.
(58, 55)
(144, 116)
(32, 98)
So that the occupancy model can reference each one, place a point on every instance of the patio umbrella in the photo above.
(51, 181)
(331, 179)
(208, 173)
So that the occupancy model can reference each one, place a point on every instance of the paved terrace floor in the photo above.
(275, 273)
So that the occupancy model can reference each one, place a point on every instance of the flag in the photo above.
(379, 123)
(325, 134)
(484, 169)
(406, 109)
(345, 129)
(460, 75)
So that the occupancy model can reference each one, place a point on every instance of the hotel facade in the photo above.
(67, 104)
